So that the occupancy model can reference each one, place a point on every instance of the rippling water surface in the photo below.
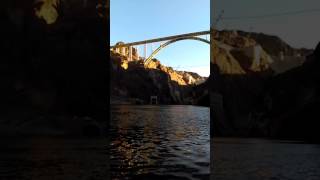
(159, 142)
(243, 159)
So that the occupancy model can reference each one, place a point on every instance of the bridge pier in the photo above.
(130, 53)
(145, 51)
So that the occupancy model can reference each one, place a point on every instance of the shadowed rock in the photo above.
(55, 62)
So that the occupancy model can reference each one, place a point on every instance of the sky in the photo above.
(135, 20)
(297, 29)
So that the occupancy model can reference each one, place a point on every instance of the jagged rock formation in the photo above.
(174, 76)
(263, 50)
(154, 79)
(237, 54)
(274, 46)
(192, 78)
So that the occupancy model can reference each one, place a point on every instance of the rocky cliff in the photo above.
(256, 51)
(288, 107)
(240, 68)
(261, 102)
(136, 83)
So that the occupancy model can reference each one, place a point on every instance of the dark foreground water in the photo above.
(160, 142)
(54, 159)
(260, 159)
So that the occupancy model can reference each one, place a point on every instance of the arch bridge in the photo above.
(165, 41)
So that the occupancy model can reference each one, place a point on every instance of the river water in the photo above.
(160, 142)
(51, 158)
(246, 159)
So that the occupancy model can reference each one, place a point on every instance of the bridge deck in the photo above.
(162, 39)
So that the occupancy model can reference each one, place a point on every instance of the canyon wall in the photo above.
(252, 98)
(133, 80)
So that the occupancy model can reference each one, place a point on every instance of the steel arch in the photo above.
(146, 62)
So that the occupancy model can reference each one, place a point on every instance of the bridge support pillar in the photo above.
(130, 53)
(145, 51)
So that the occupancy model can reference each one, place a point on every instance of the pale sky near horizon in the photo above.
(135, 20)
(297, 28)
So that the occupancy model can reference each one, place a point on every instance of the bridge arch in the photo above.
(146, 62)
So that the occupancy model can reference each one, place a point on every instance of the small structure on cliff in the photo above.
(154, 100)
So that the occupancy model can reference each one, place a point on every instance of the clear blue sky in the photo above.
(135, 20)
(298, 30)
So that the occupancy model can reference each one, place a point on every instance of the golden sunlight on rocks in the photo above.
(174, 75)
(238, 54)
(125, 65)
(226, 62)
(47, 10)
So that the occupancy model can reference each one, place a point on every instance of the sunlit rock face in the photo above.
(47, 10)
(174, 76)
(125, 65)
(238, 55)
(225, 61)
(140, 81)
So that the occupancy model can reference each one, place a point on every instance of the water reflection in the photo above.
(165, 142)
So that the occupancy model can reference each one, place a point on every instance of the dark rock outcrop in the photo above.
(281, 106)
(294, 98)
(53, 64)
